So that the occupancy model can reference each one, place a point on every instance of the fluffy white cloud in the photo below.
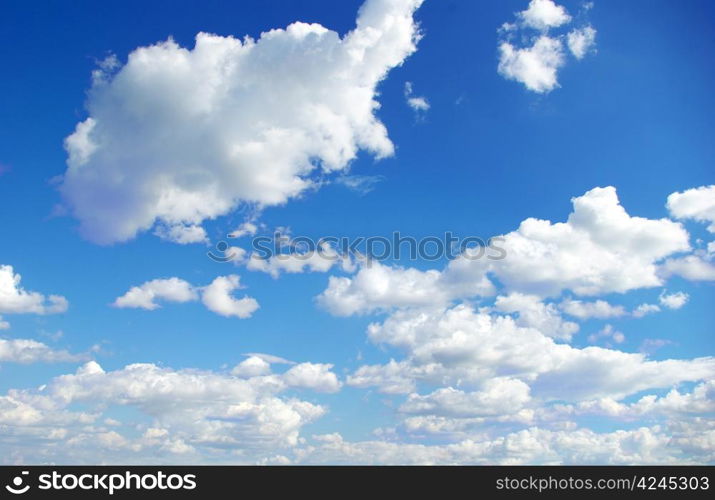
(535, 66)
(199, 414)
(599, 249)
(30, 351)
(461, 346)
(16, 300)
(581, 40)
(321, 261)
(378, 287)
(499, 396)
(686, 442)
(673, 300)
(544, 14)
(146, 296)
(534, 313)
(314, 376)
(697, 204)
(182, 234)
(217, 297)
(529, 54)
(417, 103)
(180, 135)
(645, 309)
(609, 334)
(599, 309)
(696, 267)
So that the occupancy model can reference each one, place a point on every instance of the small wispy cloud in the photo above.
(361, 184)
(419, 104)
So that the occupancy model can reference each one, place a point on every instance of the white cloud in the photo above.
(599, 309)
(500, 396)
(146, 295)
(544, 14)
(581, 40)
(697, 204)
(460, 346)
(182, 234)
(361, 184)
(246, 229)
(217, 298)
(696, 267)
(180, 135)
(534, 313)
(529, 54)
(645, 309)
(16, 300)
(599, 249)
(536, 66)
(201, 415)
(377, 287)
(30, 351)
(686, 442)
(314, 376)
(253, 366)
(321, 261)
(673, 300)
(609, 333)
(417, 103)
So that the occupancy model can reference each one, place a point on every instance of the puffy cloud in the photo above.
(253, 366)
(182, 234)
(599, 249)
(534, 313)
(581, 40)
(246, 229)
(536, 66)
(206, 413)
(30, 351)
(645, 309)
(417, 103)
(697, 204)
(673, 300)
(597, 309)
(146, 295)
(677, 443)
(379, 287)
(217, 298)
(498, 397)
(537, 61)
(544, 14)
(314, 376)
(609, 333)
(695, 267)
(462, 346)
(16, 300)
(321, 261)
(179, 135)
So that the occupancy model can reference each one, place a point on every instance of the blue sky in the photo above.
(84, 220)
